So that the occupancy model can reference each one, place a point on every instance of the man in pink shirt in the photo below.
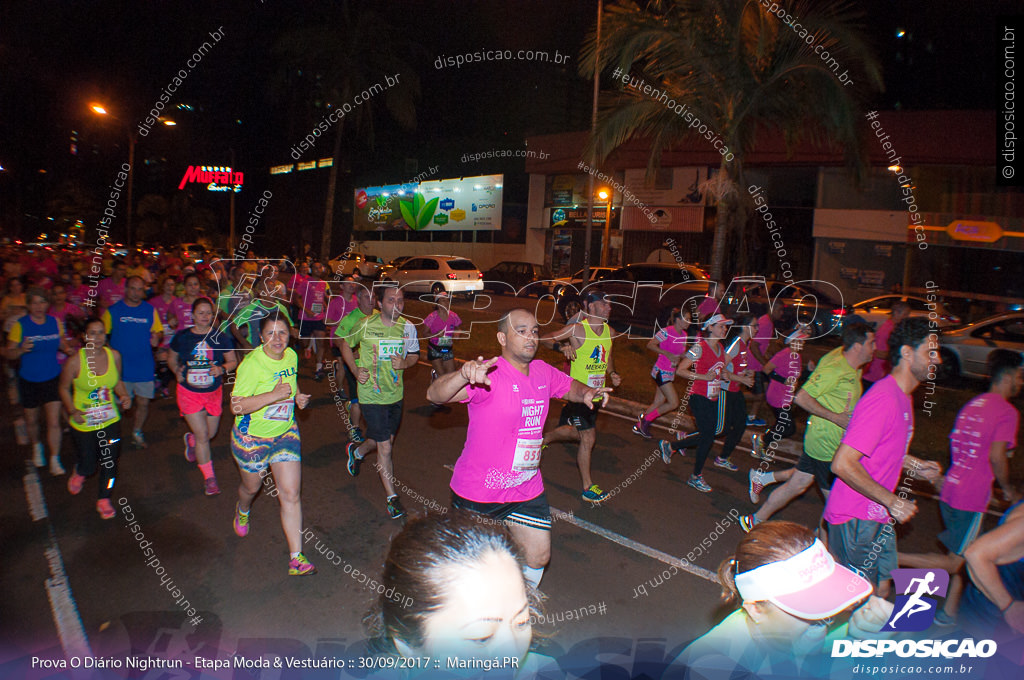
(862, 509)
(880, 366)
(111, 290)
(498, 473)
(980, 444)
(310, 294)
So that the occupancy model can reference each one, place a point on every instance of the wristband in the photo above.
(1004, 609)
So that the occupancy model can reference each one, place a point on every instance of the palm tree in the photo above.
(347, 55)
(743, 72)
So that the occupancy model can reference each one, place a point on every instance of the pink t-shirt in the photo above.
(881, 428)
(110, 292)
(78, 294)
(314, 300)
(439, 333)
(763, 338)
(670, 340)
(163, 310)
(879, 368)
(707, 306)
(789, 365)
(985, 420)
(297, 287)
(501, 460)
(338, 307)
(182, 312)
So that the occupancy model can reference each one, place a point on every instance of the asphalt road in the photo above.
(609, 556)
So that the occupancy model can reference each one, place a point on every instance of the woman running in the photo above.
(164, 305)
(669, 344)
(88, 385)
(440, 323)
(732, 414)
(181, 307)
(266, 435)
(199, 359)
(36, 339)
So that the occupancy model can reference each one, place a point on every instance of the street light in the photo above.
(606, 196)
(100, 110)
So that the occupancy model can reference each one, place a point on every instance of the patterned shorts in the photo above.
(255, 454)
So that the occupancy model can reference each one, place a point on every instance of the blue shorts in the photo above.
(962, 527)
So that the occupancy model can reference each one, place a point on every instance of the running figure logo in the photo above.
(914, 610)
(599, 355)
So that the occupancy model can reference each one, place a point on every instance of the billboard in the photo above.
(465, 203)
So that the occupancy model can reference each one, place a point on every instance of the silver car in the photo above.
(439, 273)
(877, 310)
(965, 351)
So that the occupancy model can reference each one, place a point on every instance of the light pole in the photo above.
(606, 196)
(100, 110)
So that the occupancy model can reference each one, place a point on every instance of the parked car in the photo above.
(965, 351)
(391, 267)
(876, 310)
(437, 273)
(518, 275)
(194, 252)
(360, 264)
(576, 280)
(816, 304)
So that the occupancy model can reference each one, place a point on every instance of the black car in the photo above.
(817, 304)
(523, 278)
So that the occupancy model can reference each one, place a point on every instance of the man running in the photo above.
(365, 303)
(498, 473)
(112, 289)
(387, 347)
(880, 366)
(310, 295)
(862, 507)
(134, 328)
(588, 346)
(829, 395)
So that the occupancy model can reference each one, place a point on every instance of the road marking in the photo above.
(62, 602)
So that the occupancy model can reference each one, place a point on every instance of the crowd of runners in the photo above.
(92, 340)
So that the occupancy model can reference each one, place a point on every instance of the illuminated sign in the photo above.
(216, 178)
(463, 203)
(972, 230)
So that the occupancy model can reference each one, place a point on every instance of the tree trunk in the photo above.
(332, 183)
(727, 203)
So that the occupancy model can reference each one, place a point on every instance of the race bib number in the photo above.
(444, 341)
(389, 348)
(595, 380)
(527, 456)
(713, 388)
(97, 415)
(199, 377)
(282, 411)
(316, 308)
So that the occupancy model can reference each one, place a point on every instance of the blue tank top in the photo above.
(41, 363)
(979, 614)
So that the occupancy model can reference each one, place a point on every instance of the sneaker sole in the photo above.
(702, 490)
(637, 431)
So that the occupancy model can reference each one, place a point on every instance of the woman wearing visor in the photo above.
(790, 590)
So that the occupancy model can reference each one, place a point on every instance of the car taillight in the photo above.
(839, 312)
(452, 276)
(479, 275)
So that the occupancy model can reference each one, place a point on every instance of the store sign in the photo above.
(470, 203)
(973, 230)
(216, 178)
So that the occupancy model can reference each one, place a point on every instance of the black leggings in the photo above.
(728, 415)
(101, 449)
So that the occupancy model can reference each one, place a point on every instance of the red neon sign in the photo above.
(213, 176)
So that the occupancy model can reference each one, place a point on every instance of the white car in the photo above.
(965, 351)
(439, 273)
(877, 310)
(364, 266)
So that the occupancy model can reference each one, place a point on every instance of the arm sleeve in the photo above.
(157, 327)
(1006, 429)
(15, 334)
(412, 343)
(560, 382)
(871, 418)
(107, 321)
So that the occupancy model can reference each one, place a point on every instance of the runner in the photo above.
(441, 323)
(163, 304)
(134, 328)
(981, 444)
(181, 307)
(670, 345)
(88, 384)
(588, 347)
(266, 435)
(112, 289)
(342, 300)
(829, 395)
(704, 367)
(388, 347)
(498, 473)
(993, 603)
(868, 462)
(880, 366)
(78, 292)
(199, 360)
(783, 371)
(248, 316)
(310, 294)
(760, 347)
(35, 339)
(71, 316)
(366, 300)
(732, 414)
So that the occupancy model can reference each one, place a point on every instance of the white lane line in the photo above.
(635, 546)
(70, 630)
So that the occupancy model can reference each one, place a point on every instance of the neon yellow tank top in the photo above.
(93, 394)
(591, 360)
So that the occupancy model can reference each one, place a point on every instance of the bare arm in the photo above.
(847, 466)
(455, 386)
(812, 406)
(1002, 545)
(71, 368)
(1001, 467)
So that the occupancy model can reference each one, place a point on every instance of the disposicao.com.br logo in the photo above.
(915, 611)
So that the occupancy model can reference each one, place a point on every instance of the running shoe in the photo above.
(139, 439)
(241, 522)
(754, 421)
(756, 486)
(698, 483)
(594, 494)
(56, 469)
(105, 509)
(354, 461)
(190, 447)
(757, 448)
(395, 509)
(944, 620)
(75, 482)
(725, 464)
(642, 427)
(210, 486)
(300, 566)
(666, 451)
(748, 522)
(38, 455)
(355, 435)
